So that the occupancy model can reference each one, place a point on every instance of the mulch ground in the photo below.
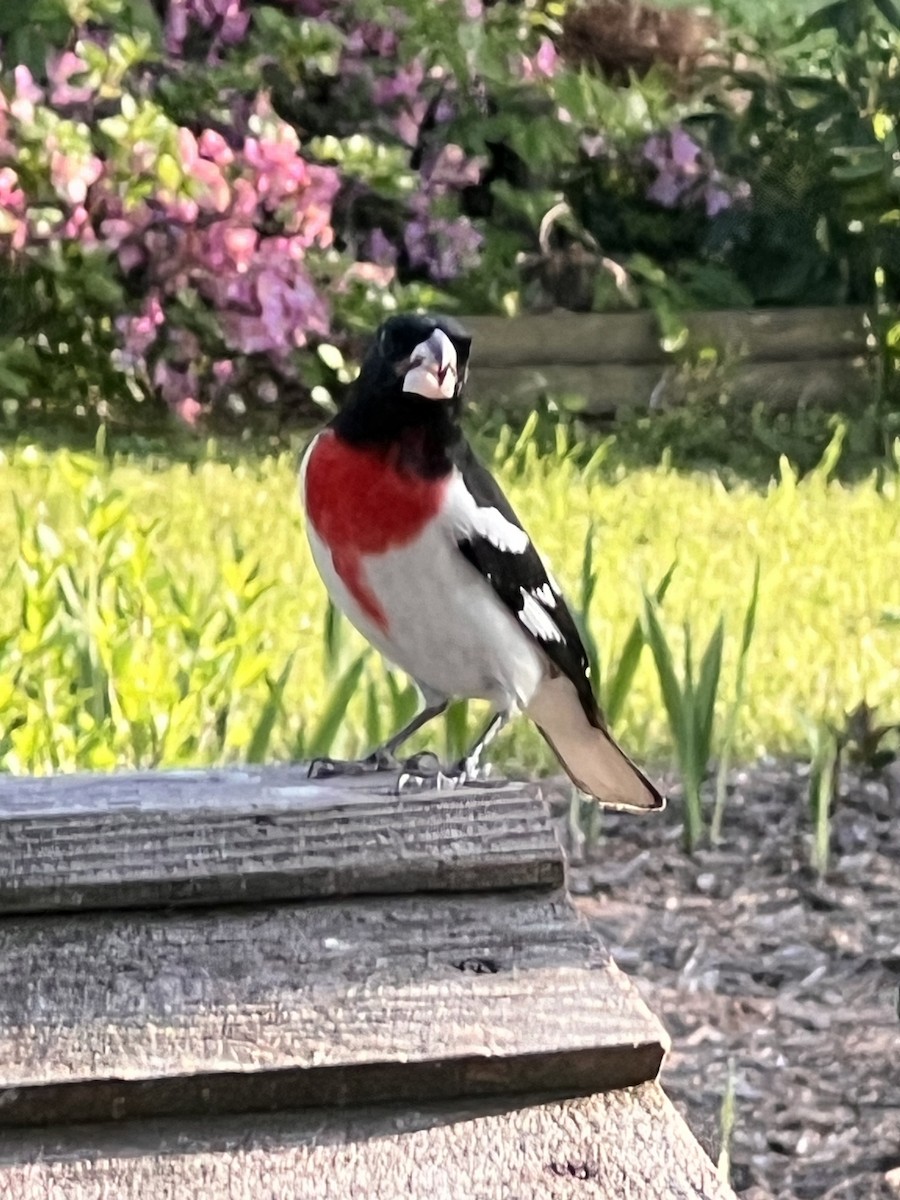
(760, 969)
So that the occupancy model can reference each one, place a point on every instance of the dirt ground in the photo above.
(751, 961)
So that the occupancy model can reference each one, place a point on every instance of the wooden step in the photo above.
(114, 1015)
(420, 949)
(626, 1144)
(254, 834)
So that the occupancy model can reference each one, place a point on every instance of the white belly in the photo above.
(446, 627)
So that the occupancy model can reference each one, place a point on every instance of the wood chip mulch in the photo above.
(758, 967)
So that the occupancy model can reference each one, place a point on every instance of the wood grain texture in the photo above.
(564, 338)
(630, 1145)
(263, 1008)
(602, 389)
(167, 838)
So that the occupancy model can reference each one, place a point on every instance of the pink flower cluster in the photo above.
(12, 210)
(72, 169)
(543, 64)
(239, 242)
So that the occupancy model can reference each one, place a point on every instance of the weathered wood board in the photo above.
(762, 335)
(132, 839)
(108, 1015)
(630, 1144)
(606, 362)
(602, 389)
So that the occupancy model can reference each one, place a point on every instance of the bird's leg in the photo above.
(382, 758)
(469, 767)
(428, 713)
(465, 771)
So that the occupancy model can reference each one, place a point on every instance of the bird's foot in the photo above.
(327, 768)
(425, 772)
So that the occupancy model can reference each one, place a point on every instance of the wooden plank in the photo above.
(569, 339)
(602, 389)
(107, 1015)
(630, 1144)
(606, 388)
(166, 838)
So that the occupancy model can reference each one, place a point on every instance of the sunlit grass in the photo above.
(180, 593)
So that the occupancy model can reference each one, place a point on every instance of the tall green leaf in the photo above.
(262, 733)
(705, 696)
(665, 668)
(326, 731)
(715, 828)
(619, 685)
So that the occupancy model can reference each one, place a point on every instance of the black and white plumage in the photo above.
(422, 551)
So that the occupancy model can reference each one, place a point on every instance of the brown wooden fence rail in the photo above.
(601, 363)
(243, 984)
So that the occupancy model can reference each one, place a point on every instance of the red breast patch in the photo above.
(360, 503)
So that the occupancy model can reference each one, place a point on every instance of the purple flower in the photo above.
(378, 249)
(686, 175)
(683, 150)
(225, 20)
(450, 168)
(445, 247)
(370, 38)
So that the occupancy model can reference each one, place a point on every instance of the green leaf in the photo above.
(705, 697)
(262, 733)
(845, 17)
(622, 678)
(456, 730)
(749, 628)
(333, 636)
(889, 11)
(326, 731)
(672, 697)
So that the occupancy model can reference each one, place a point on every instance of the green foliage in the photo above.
(825, 757)
(868, 742)
(150, 608)
(731, 721)
(727, 1111)
(690, 707)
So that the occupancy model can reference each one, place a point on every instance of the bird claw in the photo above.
(424, 772)
(327, 768)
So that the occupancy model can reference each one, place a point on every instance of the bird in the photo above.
(421, 550)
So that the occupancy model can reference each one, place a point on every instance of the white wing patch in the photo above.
(491, 524)
(468, 518)
(544, 593)
(536, 619)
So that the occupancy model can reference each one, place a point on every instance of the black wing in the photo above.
(521, 581)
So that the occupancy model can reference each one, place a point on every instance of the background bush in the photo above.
(202, 202)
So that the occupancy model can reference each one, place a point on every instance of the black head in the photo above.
(412, 376)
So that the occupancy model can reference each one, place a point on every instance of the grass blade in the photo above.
(672, 697)
(333, 636)
(586, 597)
(326, 731)
(715, 829)
(705, 697)
(623, 676)
(373, 723)
(456, 730)
(262, 733)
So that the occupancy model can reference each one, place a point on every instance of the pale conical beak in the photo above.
(433, 368)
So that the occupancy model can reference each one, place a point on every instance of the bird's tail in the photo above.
(590, 756)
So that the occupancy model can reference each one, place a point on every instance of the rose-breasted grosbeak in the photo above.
(421, 550)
